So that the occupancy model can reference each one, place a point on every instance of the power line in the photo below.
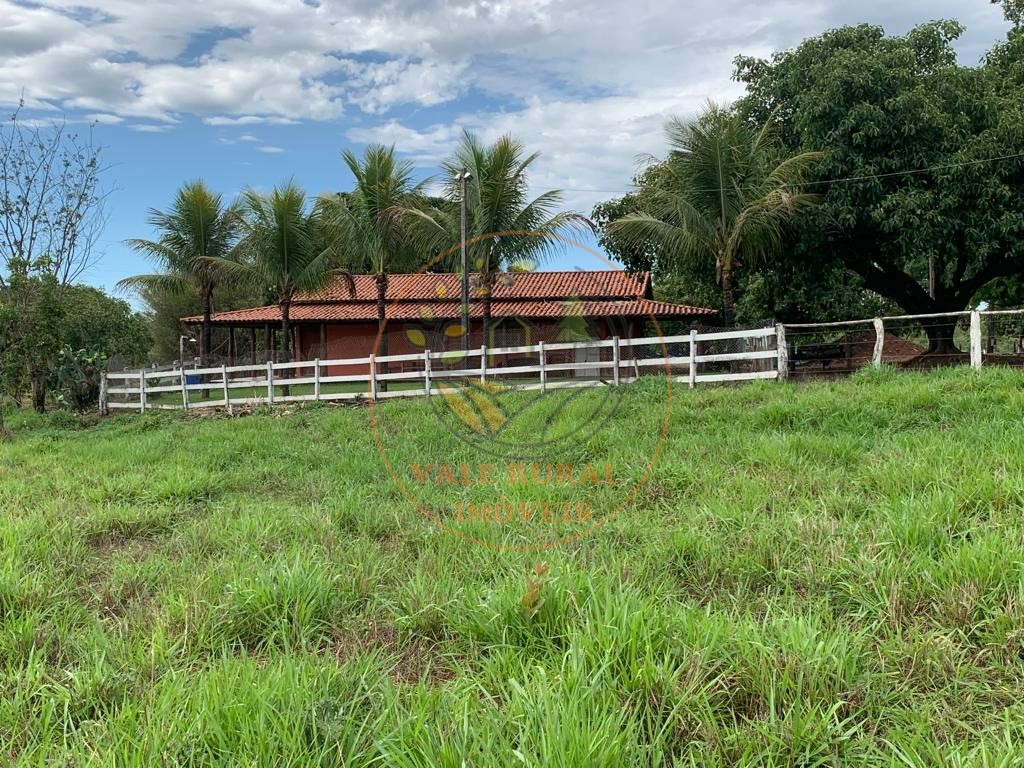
(843, 180)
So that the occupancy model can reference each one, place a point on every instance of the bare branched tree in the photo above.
(52, 204)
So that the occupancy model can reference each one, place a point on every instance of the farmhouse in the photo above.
(423, 312)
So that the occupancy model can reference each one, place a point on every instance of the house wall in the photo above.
(353, 340)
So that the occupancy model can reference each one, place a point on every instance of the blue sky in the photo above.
(253, 92)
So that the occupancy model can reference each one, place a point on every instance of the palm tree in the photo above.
(197, 228)
(281, 250)
(500, 213)
(725, 193)
(365, 226)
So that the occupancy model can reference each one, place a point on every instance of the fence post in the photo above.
(976, 350)
(270, 382)
(142, 389)
(103, 393)
(693, 359)
(483, 364)
(184, 388)
(227, 390)
(615, 359)
(373, 378)
(543, 366)
(876, 357)
(782, 348)
(426, 371)
(316, 379)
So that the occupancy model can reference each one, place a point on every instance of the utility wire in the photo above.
(843, 180)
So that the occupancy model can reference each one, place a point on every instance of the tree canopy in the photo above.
(922, 163)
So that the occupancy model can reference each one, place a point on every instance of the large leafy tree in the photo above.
(923, 170)
(96, 322)
(197, 234)
(1013, 10)
(366, 226)
(282, 250)
(501, 213)
(31, 318)
(723, 196)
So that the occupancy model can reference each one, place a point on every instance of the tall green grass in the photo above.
(825, 574)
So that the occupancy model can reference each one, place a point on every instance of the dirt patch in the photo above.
(106, 543)
(411, 659)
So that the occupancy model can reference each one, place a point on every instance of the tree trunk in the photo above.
(206, 334)
(727, 298)
(286, 343)
(940, 332)
(37, 381)
(382, 345)
(485, 313)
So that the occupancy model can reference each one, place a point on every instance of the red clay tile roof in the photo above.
(606, 284)
(436, 296)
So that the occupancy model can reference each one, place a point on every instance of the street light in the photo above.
(181, 348)
(464, 178)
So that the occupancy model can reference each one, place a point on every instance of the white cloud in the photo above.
(149, 128)
(588, 82)
(589, 146)
(249, 120)
(270, 150)
(377, 87)
(104, 119)
(251, 61)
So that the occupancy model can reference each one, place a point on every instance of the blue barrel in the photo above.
(191, 378)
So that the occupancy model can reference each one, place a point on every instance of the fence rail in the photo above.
(693, 358)
(777, 352)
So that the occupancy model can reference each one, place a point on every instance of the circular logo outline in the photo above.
(596, 524)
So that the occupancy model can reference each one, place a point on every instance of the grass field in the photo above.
(823, 574)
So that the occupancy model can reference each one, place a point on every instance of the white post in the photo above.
(102, 393)
(270, 382)
(142, 390)
(782, 348)
(976, 348)
(426, 371)
(373, 378)
(615, 360)
(543, 366)
(227, 390)
(693, 359)
(316, 379)
(184, 388)
(876, 357)
(483, 364)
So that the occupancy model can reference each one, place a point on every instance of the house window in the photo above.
(509, 333)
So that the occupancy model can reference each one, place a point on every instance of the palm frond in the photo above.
(167, 283)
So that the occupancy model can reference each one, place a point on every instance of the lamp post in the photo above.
(464, 178)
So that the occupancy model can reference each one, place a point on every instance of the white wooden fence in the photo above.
(627, 359)
(880, 326)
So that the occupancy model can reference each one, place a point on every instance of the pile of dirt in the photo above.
(895, 350)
